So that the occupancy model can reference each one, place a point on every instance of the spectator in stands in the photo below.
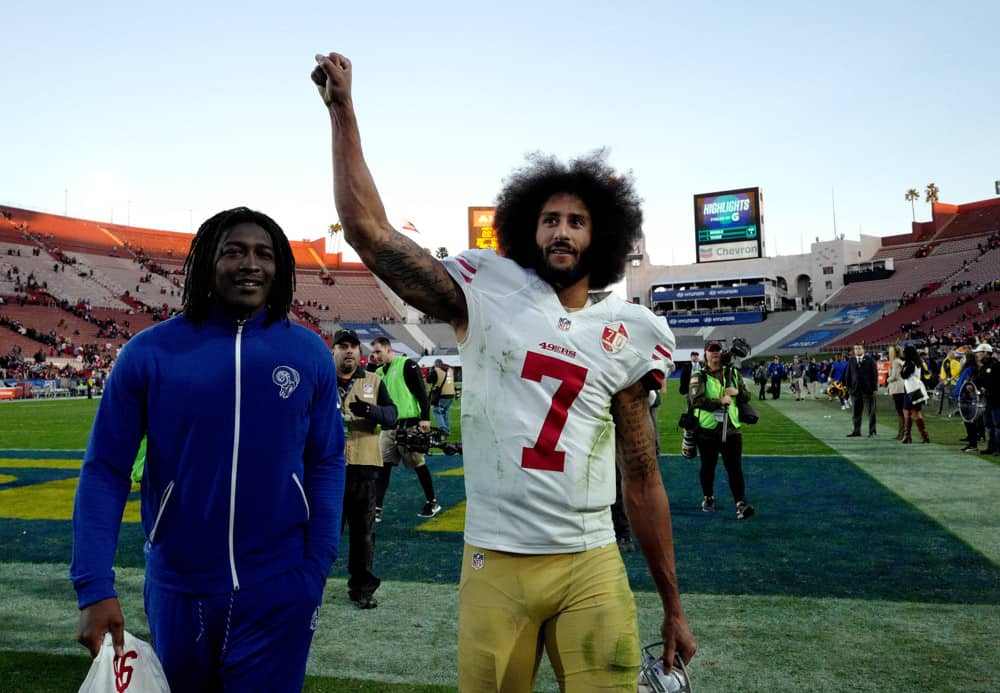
(563, 230)
(895, 387)
(406, 388)
(988, 382)
(365, 404)
(244, 475)
(441, 378)
(713, 397)
(776, 372)
(861, 381)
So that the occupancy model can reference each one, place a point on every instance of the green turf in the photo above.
(46, 424)
(774, 434)
(870, 566)
(47, 673)
(766, 643)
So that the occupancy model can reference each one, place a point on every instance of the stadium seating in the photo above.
(351, 296)
(974, 219)
(66, 233)
(11, 237)
(121, 274)
(10, 339)
(165, 247)
(47, 319)
(910, 276)
(66, 284)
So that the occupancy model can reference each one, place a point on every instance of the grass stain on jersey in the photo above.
(602, 449)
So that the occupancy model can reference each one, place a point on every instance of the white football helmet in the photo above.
(653, 678)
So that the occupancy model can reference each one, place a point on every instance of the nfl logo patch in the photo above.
(368, 389)
(614, 338)
(564, 324)
(478, 560)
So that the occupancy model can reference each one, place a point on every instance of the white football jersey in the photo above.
(537, 434)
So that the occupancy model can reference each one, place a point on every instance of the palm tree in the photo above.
(931, 193)
(910, 196)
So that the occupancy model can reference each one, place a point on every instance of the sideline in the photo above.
(958, 490)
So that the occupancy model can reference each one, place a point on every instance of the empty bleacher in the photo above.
(67, 283)
(11, 237)
(67, 233)
(168, 248)
(983, 270)
(54, 320)
(974, 219)
(351, 296)
(910, 276)
(9, 339)
(121, 274)
(897, 251)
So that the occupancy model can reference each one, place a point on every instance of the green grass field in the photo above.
(870, 565)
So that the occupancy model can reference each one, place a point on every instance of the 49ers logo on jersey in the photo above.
(614, 337)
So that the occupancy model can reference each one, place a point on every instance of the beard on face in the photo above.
(562, 277)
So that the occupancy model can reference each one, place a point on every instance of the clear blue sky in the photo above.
(166, 113)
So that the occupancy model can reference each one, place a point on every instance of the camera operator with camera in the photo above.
(719, 399)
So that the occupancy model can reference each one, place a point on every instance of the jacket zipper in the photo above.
(236, 458)
(159, 513)
(295, 478)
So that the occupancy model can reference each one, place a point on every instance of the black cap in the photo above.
(713, 346)
(346, 336)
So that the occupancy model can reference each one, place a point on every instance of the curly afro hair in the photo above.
(615, 210)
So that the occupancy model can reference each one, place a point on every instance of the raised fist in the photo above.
(332, 76)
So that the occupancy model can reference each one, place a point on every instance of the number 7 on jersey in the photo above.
(544, 455)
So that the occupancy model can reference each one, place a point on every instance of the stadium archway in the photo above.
(803, 288)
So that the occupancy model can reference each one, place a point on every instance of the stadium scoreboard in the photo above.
(481, 232)
(727, 225)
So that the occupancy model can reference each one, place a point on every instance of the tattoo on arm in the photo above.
(418, 278)
(635, 445)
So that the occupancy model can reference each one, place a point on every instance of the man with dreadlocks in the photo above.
(244, 477)
(556, 385)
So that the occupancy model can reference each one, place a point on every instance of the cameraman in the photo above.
(401, 376)
(713, 394)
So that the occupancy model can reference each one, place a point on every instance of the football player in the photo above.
(555, 391)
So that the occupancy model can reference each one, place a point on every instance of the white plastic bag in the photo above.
(136, 671)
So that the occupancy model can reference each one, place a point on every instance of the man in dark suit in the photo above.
(687, 370)
(861, 381)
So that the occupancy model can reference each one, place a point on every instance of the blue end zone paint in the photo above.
(824, 528)
(40, 455)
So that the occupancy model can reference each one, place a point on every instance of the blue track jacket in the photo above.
(244, 474)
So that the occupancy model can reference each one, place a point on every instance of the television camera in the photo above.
(414, 439)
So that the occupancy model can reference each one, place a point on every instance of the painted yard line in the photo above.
(958, 490)
(13, 463)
